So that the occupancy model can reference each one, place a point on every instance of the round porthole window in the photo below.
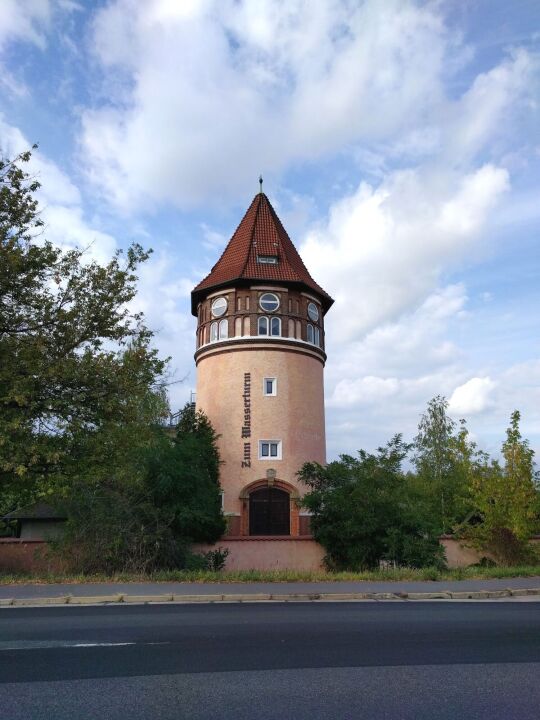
(313, 311)
(219, 307)
(269, 302)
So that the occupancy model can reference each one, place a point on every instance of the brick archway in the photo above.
(269, 482)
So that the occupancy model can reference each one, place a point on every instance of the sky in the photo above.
(399, 142)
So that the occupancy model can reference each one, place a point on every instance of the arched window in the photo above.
(309, 333)
(317, 339)
(223, 329)
(213, 332)
(269, 512)
(275, 326)
(262, 326)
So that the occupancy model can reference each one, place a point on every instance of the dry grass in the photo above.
(250, 576)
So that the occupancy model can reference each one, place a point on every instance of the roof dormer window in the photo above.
(267, 259)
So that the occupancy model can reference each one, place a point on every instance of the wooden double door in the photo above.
(269, 512)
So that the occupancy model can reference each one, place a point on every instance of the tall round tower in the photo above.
(260, 358)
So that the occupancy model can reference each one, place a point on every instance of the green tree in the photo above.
(506, 497)
(364, 511)
(144, 510)
(445, 458)
(73, 358)
(183, 476)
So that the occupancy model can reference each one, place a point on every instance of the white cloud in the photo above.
(383, 249)
(203, 95)
(213, 240)
(212, 92)
(490, 108)
(364, 390)
(25, 20)
(165, 303)
(472, 397)
(60, 200)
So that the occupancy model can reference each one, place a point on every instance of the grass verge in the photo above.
(249, 576)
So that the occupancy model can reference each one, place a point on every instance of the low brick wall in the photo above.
(459, 554)
(18, 555)
(246, 553)
(270, 553)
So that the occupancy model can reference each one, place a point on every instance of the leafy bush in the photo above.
(154, 502)
(506, 499)
(216, 559)
(364, 512)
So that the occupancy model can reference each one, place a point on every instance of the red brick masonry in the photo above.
(26, 556)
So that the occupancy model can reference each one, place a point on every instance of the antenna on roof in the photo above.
(260, 183)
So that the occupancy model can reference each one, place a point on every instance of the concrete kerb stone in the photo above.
(247, 597)
(59, 600)
(297, 597)
(471, 595)
(95, 600)
(343, 596)
(197, 598)
(268, 597)
(525, 591)
(169, 597)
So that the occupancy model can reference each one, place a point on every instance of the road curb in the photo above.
(172, 598)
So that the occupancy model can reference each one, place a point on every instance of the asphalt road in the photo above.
(429, 660)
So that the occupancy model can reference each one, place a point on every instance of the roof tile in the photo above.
(260, 233)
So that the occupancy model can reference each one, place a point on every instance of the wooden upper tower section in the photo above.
(260, 250)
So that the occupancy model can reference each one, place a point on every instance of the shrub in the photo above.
(365, 512)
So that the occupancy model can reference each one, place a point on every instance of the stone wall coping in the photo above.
(258, 538)
(255, 341)
(458, 539)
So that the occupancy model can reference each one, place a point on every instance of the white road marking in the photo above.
(45, 644)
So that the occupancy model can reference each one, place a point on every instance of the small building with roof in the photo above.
(38, 521)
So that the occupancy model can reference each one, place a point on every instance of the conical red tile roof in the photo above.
(259, 233)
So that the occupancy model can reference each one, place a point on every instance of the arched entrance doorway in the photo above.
(269, 511)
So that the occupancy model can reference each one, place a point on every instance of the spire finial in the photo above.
(260, 183)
